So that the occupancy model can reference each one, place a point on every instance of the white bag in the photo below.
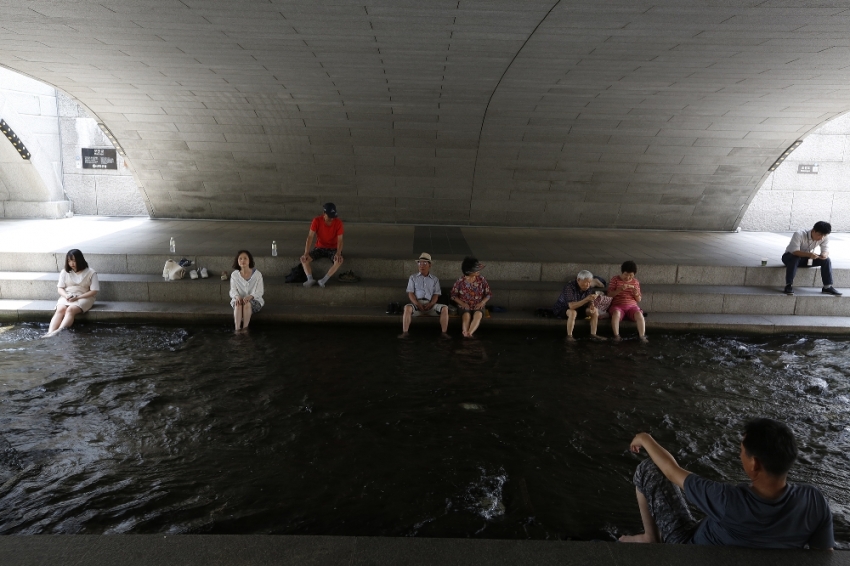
(172, 271)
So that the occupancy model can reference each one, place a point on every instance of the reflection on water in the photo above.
(315, 430)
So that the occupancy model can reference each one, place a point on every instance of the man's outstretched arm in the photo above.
(663, 459)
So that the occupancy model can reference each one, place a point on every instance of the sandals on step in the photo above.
(348, 277)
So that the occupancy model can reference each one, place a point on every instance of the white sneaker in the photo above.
(309, 283)
(193, 274)
(204, 273)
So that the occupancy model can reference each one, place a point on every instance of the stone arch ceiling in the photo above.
(622, 114)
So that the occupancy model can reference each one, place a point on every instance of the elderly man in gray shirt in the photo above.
(423, 289)
(800, 253)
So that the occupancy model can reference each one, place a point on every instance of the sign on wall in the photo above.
(807, 168)
(99, 158)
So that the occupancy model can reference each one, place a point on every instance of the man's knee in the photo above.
(408, 309)
(571, 314)
(338, 260)
(646, 473)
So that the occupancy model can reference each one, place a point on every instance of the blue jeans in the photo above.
(792, 262)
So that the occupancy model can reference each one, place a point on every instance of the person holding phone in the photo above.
(624, 290)
(78, 286)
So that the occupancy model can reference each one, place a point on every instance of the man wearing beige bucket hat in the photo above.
(424, 292)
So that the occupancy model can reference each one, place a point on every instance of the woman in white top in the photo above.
(78, 286)
(246, 290)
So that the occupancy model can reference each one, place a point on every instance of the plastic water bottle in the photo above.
(274, 248)
(172, 246)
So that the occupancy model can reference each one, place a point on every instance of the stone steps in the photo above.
(677, 295)
(447, 271)
(513, 295)
(171, 313)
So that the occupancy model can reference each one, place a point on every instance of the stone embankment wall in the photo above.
(94, 192)
(55, 129)
(812, 184)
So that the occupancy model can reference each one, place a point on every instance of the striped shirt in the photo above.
(627, 297)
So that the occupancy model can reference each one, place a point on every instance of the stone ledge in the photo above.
(171, 313)
(515, 295)
(150, 265)
(268, 550)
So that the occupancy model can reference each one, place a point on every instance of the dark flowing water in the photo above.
(351, 431)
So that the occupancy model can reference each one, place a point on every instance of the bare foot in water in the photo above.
(643, 537)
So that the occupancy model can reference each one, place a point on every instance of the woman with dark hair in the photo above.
(78, 286)
(624, 290)
(246, 290)
(471, 292)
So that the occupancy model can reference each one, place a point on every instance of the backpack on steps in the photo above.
(296, 275)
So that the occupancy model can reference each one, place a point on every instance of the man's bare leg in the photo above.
(306, 263)
(594, 322)
(571, 321)
(406, 318)
(444, 320)
(650, 529)
(336, 265)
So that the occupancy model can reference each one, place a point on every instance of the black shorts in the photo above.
(319, 253)
(581, 312)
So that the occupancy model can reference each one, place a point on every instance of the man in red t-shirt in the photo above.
(327, 229)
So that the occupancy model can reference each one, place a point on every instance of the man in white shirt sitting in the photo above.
(424, 292)
(801, 250)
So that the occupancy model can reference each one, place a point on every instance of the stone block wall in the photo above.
(94, 192)
(792, 197)
(29, 107)
(54, 129)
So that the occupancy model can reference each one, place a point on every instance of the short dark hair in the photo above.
(78, 257)
(822, 227)
(468, 265)
(236, 259)
(772, 443)
(628, 267)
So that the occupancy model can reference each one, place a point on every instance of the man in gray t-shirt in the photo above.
(769, 512)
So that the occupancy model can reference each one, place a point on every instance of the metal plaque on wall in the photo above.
(99, 158)
(807, 168)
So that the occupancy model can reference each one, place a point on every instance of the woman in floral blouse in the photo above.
(471, 292)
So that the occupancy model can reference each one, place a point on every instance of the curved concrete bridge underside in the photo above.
(625, 113)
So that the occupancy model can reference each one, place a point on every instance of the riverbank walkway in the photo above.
(690, 280)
